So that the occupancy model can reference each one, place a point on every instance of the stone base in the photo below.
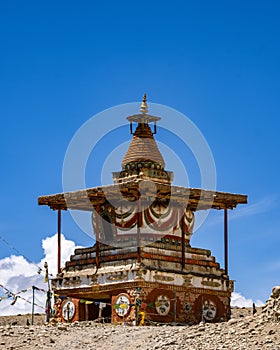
(149, 302)
(159, 289)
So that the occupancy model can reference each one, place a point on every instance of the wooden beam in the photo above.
(196, 199)
(139, 224)
(97, 262)
(226, 240)
(58, 241)
(183, 238)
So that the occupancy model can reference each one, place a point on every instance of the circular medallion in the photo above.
(187, 307)
(68, 310)
(209, 310)
(162, 305)
(122, 305)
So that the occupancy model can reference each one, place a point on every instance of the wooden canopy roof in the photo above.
(193, 198)
(143, 147)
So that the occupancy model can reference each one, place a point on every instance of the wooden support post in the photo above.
(175, 306)
(58, 241)
(86, 312)
(139, 224)
(33, 301)
(97, 253)
(98, 218)
(226, 240)
(183, 239)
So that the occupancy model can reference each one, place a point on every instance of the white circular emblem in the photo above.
(162, 305)
(122, 305)
(209, 310)
(68, 310)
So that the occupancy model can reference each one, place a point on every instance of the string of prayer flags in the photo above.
(88, 302)
(15, 296)
(29, 302)
(27, 289)
(14, 301)
(20, 253)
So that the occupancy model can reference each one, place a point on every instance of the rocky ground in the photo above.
(243, 331)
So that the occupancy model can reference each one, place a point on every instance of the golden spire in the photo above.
(144, 106)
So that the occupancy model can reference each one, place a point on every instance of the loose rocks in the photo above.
(271, 310)
(240, 333)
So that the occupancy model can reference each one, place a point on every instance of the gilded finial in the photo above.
(144, 106)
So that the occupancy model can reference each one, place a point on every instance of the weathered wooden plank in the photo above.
(196, 199)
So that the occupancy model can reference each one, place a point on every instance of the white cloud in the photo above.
(16, 264)
(49, 245)
(18, 274)
(239, 300)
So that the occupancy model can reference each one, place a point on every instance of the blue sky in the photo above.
(217, 62)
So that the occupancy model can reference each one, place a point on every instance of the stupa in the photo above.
(142, 267)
